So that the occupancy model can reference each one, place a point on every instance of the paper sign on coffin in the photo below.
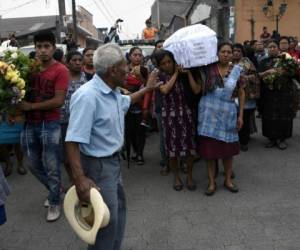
(193, 46)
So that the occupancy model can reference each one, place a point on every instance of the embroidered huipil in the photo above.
(217, 111)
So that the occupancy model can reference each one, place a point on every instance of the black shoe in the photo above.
(232, 189)
(192, 186)
(210, 192)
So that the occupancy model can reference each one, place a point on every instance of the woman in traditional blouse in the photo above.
(278, 101)
(178, 115)
(218, 122)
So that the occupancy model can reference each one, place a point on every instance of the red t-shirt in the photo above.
(42, 87)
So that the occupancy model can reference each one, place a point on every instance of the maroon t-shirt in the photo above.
(42, 87)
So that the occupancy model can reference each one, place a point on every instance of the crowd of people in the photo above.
(87, 109)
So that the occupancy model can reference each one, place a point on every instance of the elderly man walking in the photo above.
(95, 138)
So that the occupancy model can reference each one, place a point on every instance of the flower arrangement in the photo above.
(286, 65)
(15, 68)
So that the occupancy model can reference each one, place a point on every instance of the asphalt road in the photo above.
(265, 214)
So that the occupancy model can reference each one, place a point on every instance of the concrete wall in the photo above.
(244, 9)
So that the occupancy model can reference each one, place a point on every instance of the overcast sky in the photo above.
(105, 12)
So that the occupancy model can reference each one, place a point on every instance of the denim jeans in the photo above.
(162, 149)
(106, 173)
(41, 145)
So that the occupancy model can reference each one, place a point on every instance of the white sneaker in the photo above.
(46, 203)
(53, 213)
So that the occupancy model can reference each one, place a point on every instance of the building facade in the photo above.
(250, 19)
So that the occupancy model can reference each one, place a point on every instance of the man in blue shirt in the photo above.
(95, 137)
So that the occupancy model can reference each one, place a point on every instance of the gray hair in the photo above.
(106, 56)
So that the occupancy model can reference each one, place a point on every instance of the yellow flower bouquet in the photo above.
(15, 68)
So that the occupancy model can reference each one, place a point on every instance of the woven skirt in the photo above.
(212, 149)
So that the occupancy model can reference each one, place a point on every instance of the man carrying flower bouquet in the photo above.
(40, 138)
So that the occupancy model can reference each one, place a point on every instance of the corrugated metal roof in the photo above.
(26, 25)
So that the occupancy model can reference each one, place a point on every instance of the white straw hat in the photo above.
(86, 219)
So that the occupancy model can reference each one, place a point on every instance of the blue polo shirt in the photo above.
(97, 118)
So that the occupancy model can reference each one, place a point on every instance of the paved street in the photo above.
(265, 214)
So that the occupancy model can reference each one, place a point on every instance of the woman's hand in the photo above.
(240, 123)
(183, 71)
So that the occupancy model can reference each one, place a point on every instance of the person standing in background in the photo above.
(88, 66)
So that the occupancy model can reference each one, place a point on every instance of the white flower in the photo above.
(2, 50)
(287, 55)
(14, 55)
(12, 49)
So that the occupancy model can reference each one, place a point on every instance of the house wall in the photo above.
(289, 25)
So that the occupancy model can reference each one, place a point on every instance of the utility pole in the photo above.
(74, 21)
(158, 14)
(62, 13)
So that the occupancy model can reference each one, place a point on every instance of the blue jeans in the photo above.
(106, 173)
(162, 149)
(41, 145)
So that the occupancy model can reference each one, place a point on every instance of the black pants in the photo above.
(135, 133)
(244, 133)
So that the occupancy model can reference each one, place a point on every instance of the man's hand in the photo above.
(240, 123)
(25, 106)
(152, 80)
(83, 187)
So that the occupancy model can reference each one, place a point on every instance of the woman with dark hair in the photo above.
(137, 113)
(284, 44)
(77, 78)
(218, 119)
(252, 91)
(278, 100)
(178, 115)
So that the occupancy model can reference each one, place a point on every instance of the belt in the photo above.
(113, 155)
(103, 157)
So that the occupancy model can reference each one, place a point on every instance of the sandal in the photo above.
(177, 187)
(210, 192)
(232, 189)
